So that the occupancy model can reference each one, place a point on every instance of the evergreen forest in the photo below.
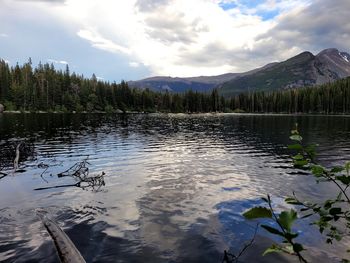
(44, 88)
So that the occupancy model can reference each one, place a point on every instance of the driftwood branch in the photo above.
(16, 161)
(66, 250)
(79, 169)
(80, 172)
(13, 153)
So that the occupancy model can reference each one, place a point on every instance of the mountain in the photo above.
(302, 70)
(200, 84)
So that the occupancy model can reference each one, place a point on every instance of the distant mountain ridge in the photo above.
(304, 69)
(200, 84)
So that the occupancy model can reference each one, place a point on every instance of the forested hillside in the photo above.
(327, 99)
(44, 88)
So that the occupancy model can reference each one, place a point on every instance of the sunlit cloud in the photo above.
(57, 61)
(134, 64)
(100, 42)
(191, 38)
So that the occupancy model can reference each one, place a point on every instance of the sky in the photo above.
(134, 39)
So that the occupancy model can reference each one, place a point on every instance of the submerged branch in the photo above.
(231, 258)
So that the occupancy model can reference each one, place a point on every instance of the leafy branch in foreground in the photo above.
(232, 258)
(284, 222)
(332, 216)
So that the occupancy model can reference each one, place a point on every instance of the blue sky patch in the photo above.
(251, 3)
(228, 6)
(267, 15)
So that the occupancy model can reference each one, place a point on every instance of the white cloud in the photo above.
(134, 64)
(3, 35)
(100, 42)
(160, 33)
(199, 37)
(57, 61)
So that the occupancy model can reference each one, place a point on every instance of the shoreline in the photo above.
(182, 113)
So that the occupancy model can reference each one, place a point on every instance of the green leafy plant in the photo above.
(332, 216)
(284, 222)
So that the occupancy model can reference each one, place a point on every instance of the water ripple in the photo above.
(175, 184)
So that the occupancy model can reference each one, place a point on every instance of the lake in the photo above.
(175, 185)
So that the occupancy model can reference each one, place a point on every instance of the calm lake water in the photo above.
(176, 185)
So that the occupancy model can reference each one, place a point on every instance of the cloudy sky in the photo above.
(134, 39)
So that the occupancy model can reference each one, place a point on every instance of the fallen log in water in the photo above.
(66, 250)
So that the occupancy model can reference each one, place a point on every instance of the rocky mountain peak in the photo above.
(328, 51)
(304, 69)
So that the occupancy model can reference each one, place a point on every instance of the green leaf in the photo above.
(290, 236)
(305, 216)
(273, 249)
(258, 212)
(298, 157)
(287, 218)
(339, 196)
(328, 204)
(298, 247)
(300, 163)
(337, 169)
(347, 168)
(326, 218)
(272, 230)
(310, 149)
(317, 170)
(335, 211)
(296, 137)
(292, 201)
(344, 179)
(295, 147)
(338, 237)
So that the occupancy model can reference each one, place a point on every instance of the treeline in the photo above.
(327, 99)
(44, 88)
